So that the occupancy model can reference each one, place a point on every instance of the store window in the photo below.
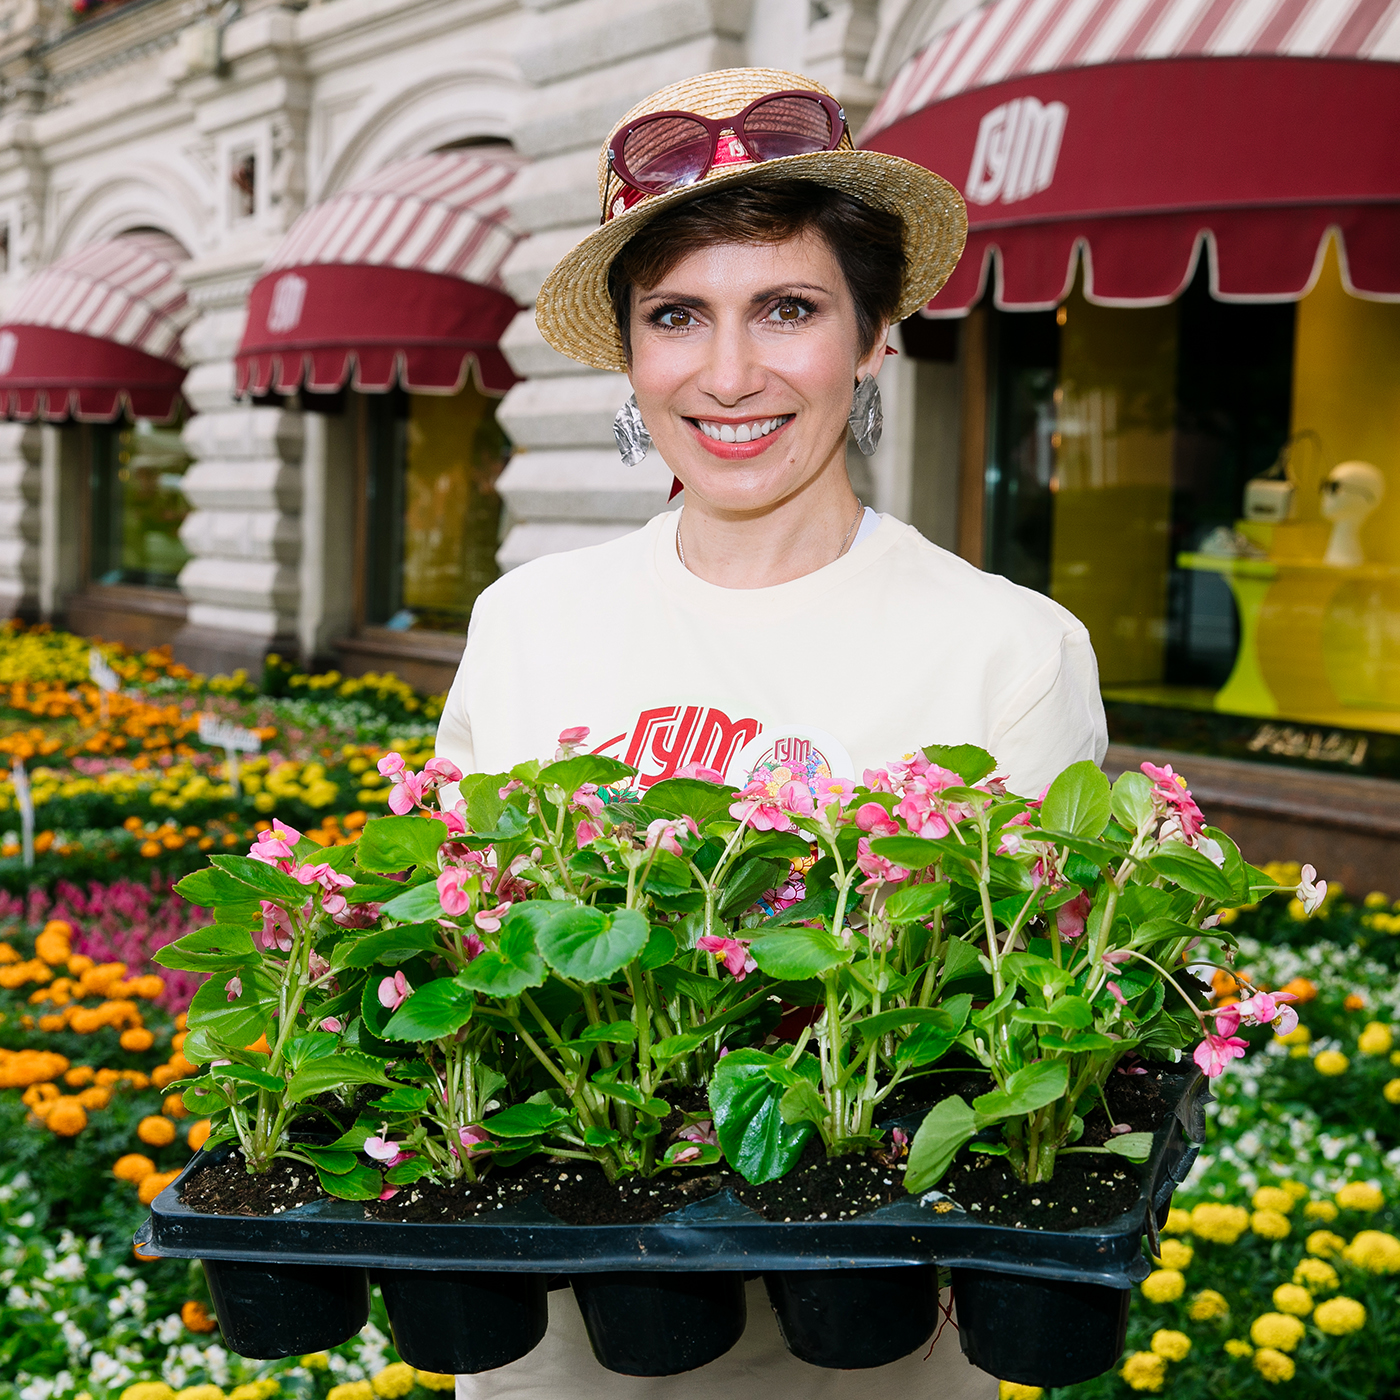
(431, 515)
(1214, 489)
(136, 503)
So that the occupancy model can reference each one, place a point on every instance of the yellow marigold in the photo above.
(1299, 1035)
(153, 1185)
(137, 1039)
(1208, 1305)
(1316, 1275)
(196, 1317)
(1171, 1346)
(1270, 1224)
(1293, 1298)
(1374, 1251)
(1391, 1092)
(1331, 1062)
(1338, 1316)
(148, 1390)
(1212, 1220)
(133, 1167)
(66, 1117)
(435, 1380)
(264, 1389)
(200, 1392)
(320, 1361)
(1376, 1039)
(1144, 1370)
(1324, 1243)
(1178, 1222)
(351, 1390)
(197, 1136)
(95, 1096)
(1273, 1198)
(1236, 1346)
(394, 1381)
(1176, 1255)
(1273, 1365)
(156, 1131)
(1282, 1331)
(1324, 1211)
(1164, 1285)
(1360, 1195)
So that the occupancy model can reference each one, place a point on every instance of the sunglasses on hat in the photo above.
(669, 150)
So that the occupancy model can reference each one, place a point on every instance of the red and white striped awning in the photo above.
(395, 279)
(97, 333)
(1137, 131)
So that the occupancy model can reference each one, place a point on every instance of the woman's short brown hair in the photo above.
(868, 244)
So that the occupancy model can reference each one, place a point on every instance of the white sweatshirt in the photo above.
(896, 645)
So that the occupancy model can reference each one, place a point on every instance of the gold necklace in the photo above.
(860, 511)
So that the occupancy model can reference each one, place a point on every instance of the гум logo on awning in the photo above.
(1018, 144)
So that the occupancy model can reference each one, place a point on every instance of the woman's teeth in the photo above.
(741, 432)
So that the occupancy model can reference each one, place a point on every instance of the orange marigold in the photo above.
(153, 1185)
(55, 943)
(8, 954)
(98, 1096)
(1301, 988)
(109, 1076)
(1353, 1003)
(136, 1078)
(79, 964)
(134, 1167)
(182, 1067)
(19, 1068)
(137, 1039)
(39, 1093)
(79, 1075)
(85, 1019)
(178, 1039)
(156, 1131)
(174, 1106)
(196, 1317)
(53, 1023)
(148, 988)
(66, 1117)
(198, 1134)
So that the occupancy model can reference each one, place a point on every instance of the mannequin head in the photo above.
(1350, 494)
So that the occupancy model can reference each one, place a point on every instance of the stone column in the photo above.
(20, 483)
(589, 60)
(244, 532)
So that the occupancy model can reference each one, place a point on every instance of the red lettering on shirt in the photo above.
(668, 738)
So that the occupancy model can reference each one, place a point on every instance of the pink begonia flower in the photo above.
(234, 988)
(758, 809)
(391, 765)
(472, 946)
(1116, 957)
(872, 817)
(331, 883)
(571, 738)
(1269, 1009)
(731, 952)
(381, 1149)
(277, 927)
(686, 1154)
(316, 965)
(588, 800)
(666, 833)
(1011, 841)
(1117, 993)
(514, 785)
(1212, 850)
(276, 845)
(489, 920)
(877, 780)
(409, 792)
(1070, 917)
(1227, 1019)
(442, 770)
(796, 798)
(453, 898)
(702, 1130)
(388, 1193)
(394, 991)
(474, 1138)
(1311, 891)
(1186, 820)
(455, 820)
(1216, 1051)
(701, 773)
(357, 916)
(1118, 1129)
(880, 870)
(829, 790)
(919, 812)
(333, 1024)
(900, 1139)
(586, 833)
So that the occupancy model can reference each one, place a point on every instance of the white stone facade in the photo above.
(138, 116)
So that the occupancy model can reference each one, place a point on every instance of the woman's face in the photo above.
(744, 358)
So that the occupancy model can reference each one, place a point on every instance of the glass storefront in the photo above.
(1214, 488)
(136, 504)
(432, 515)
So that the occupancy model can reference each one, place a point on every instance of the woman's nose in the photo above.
(732, 370)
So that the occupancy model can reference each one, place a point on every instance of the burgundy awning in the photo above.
(395, 280)
(97, 334)
(1140, 160)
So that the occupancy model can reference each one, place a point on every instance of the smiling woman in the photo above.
(772, 631)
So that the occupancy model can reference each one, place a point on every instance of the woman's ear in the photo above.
(872, 362)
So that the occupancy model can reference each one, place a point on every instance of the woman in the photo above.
(745, 276)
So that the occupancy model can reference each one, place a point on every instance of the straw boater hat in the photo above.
(575, 313)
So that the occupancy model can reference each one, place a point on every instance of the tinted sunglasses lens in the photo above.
(666, 153)
(789, 126)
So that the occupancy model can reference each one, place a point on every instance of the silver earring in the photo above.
(867, 420)
(630, 433)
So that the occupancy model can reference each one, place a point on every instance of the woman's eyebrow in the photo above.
(699, 303)
(788, 289)
(671, 299)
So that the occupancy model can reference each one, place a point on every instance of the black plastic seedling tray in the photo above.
(1038, 1306)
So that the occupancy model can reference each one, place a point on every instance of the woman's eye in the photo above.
(789, 312)
(677, 317)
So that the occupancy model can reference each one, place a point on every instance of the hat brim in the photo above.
(575, 313)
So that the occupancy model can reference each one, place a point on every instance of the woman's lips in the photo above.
(733, 451)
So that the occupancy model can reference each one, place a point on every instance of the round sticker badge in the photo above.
(779, 756)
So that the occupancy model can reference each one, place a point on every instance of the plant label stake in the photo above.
(220, 734)
(104, 678)
(25, 798)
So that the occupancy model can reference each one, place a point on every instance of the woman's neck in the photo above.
(787, 541)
